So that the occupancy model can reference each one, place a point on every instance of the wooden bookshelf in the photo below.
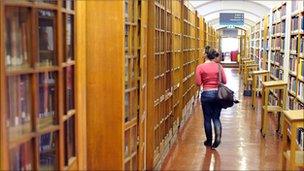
(296, 71)
(189, 59)
(177, 64)
(202, 42)
(265, 43)
(278, 33)
(160, 75)
(39, 114)
(117, 94)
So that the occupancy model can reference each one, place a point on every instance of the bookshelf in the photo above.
(38, 70)
(177, 64)
(202, 44)
(175, 49)
(266, 42)
(296, 70)
(135, 84)
(189, 59)
(162, 76)
(117, 97)
(278, 33)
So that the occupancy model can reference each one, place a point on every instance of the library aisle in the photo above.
(242, 147)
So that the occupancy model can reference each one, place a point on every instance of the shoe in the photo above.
(208, 143)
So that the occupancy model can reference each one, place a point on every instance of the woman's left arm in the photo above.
(224, 80)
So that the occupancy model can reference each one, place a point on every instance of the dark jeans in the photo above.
(212, 110)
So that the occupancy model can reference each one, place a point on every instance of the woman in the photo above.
(207, 76)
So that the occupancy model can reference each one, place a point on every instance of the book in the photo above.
(47, 94)
(301, 90)
(47, 151)
(302, 24)
(301, 69)
(292, 84)
(295, 23)
(69, 37)
(293, 63)
(16, 37)
(69, 131)
(19, 105)
(291, 103)
(300, 138)
(69, 76)
(302, 45)
(293, 44)
(21, 157)
(46, 20)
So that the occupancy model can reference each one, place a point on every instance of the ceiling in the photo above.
(253, 10)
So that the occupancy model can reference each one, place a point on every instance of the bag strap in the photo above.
(219, 74)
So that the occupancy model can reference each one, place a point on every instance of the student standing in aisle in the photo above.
(207, 76)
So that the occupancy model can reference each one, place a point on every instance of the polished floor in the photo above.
(242, 148)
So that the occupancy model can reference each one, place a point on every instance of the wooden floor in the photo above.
(242, 148)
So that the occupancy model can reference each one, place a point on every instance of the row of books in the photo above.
(296, 5)
(17, 37)
(47, 148)
(277, 58)
(302, 44)
(300, 138)
(301, 90)
(301, 69)
(46, 21)
(294, 104)
(21, 157)
(293, 63)
(279, 28)
(19, 101)
(278, 43)
(295, 23)
(292, 84)
(69, 140)
(69, 32)
(47, 94)
(276, 71)
(69, 87)
(130, 141)
(293, 44)
(279, 13)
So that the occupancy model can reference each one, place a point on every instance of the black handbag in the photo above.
(225, 95)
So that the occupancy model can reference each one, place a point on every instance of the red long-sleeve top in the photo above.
(207, 75)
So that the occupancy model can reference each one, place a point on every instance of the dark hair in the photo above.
(207, 49)
(212, 54)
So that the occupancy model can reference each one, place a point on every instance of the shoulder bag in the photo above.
(225, 95)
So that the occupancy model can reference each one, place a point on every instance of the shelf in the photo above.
(299, 157)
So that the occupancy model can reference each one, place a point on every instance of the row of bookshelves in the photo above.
(275, 36)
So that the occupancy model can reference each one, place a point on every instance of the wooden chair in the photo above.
(292, 154)
(272, 86)
(255, 83)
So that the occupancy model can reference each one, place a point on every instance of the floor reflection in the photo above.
(242, 147)
(212, 160)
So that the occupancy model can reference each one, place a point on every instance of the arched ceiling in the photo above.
(253, 10)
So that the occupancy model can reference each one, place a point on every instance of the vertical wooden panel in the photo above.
(105, 84)
(151, 84)
(80, 23)
(3, 135)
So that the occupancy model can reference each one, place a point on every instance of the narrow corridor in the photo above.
(242, 147)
